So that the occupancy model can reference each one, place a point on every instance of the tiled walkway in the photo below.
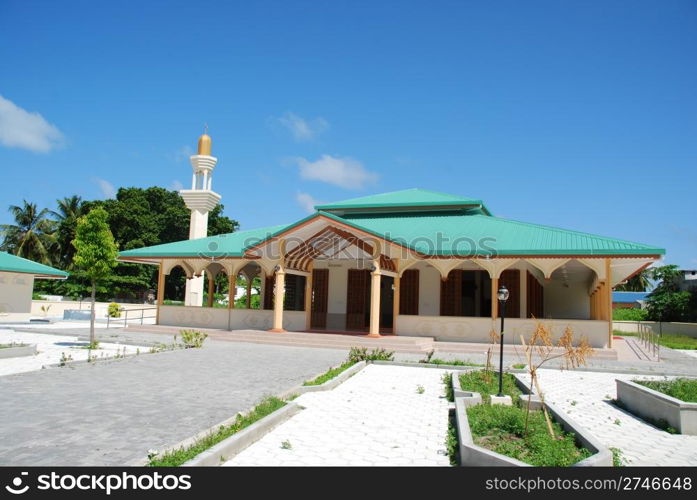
(383, 415)
(585, 396)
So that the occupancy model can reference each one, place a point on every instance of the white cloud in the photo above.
(344, 172)
(176, 185)
(307, 202)
(21, 129)
(303, 130)
(107, 188)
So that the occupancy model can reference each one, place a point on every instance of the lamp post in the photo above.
(502, 294)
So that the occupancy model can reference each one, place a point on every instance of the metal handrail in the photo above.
(109, 319)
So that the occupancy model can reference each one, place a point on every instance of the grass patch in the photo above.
(502, 430)
(454, 362)
(519, 366)
(671, 340)
(447, 379)
(486, 383)
(684, 389)
(330, 374)
(618, 459)
(178, 457)
(677, 341)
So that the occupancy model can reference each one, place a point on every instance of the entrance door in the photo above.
(320, 298)
(358, 300)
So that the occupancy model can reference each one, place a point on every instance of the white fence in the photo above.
(689, 329)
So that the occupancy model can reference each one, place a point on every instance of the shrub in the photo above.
(193, 338)
(626, 314)
(357, 354)
(114, 310)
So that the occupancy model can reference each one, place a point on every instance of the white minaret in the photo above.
(200, 199)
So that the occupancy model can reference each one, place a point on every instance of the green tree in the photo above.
(31, 236)
(666, 302)
(95, 254)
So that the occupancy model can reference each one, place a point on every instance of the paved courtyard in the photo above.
(383, 415)
(112, 412)
(585, 396)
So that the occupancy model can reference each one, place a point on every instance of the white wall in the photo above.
(466, 329)
(568, 303)
(224, 319)
(429, 289)
(15, 296)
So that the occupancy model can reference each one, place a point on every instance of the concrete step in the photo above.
(329, 341)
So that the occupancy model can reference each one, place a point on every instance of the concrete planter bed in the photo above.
(472, 454)
(657, 407)
(16, 351)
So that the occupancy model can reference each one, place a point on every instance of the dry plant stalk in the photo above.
(488, 369)
(541, 343)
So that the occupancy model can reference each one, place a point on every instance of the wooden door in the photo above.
(358, 300)
(409, 292)
(535, 298)
(320, 298)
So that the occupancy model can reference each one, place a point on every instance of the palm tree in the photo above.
(32, 235)
(637, 283)
(70, 209)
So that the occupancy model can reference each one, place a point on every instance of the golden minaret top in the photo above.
(204, 143)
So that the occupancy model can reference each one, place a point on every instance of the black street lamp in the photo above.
(503, 294)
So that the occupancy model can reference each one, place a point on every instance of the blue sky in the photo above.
(575, 114)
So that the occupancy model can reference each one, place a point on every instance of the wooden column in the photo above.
(211, 288)
(278, 301)
(395, 303)
(375, 303)
(494, 299)
(160, 292)
(308, 299)
(249, 292)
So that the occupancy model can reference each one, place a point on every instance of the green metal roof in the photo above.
(436, 228)
(476, 234)
(222, 245)
(407, 198)
(13, 264)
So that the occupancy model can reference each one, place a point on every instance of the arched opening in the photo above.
(216, 287)
(175, 287)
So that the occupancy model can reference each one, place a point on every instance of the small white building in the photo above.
(17, 277)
